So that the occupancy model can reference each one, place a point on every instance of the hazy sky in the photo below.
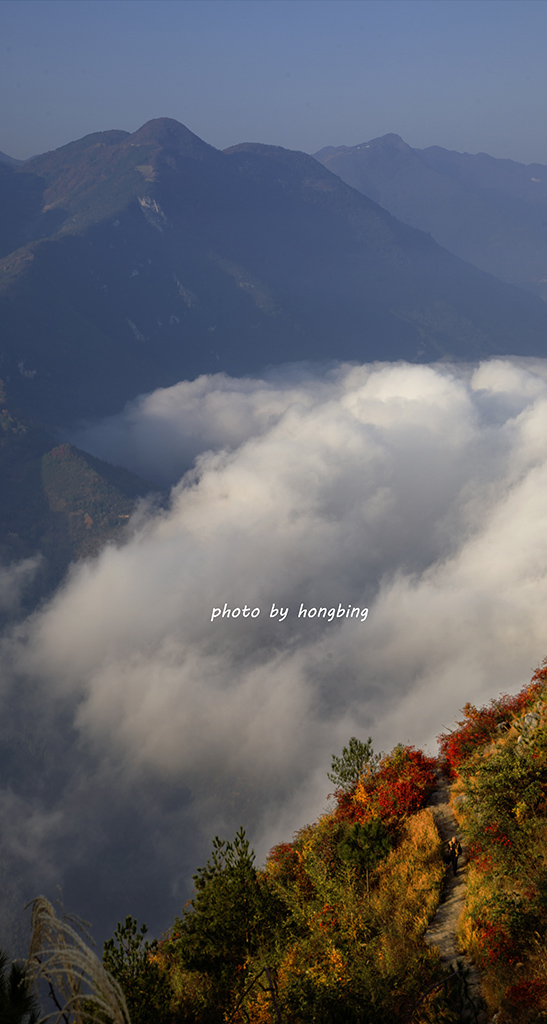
(469, 75)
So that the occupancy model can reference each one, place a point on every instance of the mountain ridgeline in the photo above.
(131, 261)
(490, 212)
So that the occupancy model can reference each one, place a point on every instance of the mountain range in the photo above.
(132, 261)
(490, 212)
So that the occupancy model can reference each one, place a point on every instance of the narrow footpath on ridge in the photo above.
(442, 931)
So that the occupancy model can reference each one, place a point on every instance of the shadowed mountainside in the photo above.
(55, 500)
(133, 261)
(490, 212)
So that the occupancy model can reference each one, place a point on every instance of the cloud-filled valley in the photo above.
(417, 492)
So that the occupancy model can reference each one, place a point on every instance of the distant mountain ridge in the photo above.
(5, 159)
(132, 261)
(56, 500)
(488, 211)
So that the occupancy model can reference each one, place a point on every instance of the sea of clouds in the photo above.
(139, 725)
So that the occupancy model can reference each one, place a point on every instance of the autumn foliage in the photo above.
(497, 758)
(480, 725)
(332, 928)
(401, 785)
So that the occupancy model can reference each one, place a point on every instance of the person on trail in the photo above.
(454, 851)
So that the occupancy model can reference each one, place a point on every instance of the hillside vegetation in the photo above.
(498, 758)
(331, 930)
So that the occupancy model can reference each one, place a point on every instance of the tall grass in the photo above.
(60, 959)
(409, 887)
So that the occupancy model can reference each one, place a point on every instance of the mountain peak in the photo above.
(171, 136)
(384, 143)
(389, 141)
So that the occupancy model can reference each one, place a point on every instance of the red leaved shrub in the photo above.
(496, 945)
(400, 785)
(527, 993)
(479, 725)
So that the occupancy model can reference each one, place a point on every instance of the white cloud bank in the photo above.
(418, 492)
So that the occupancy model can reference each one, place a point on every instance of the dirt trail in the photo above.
(443, 928)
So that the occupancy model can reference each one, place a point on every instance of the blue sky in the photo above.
(464, 74)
